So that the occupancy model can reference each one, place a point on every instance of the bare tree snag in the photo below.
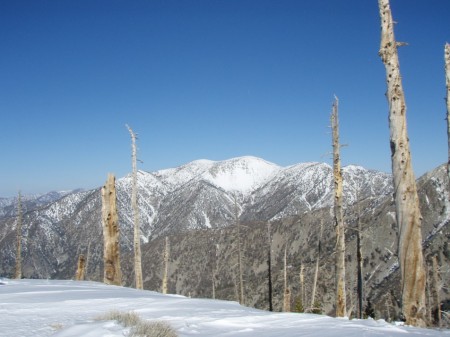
(436, 289)
(302, 283)
(137, 230)
(88, 254)
(287, 292)
(447, 82)
(269, 267)
(166, 266)
(338, 215)
(18, 273)
(81, 267)
(287, 300)
(240, 266)
(408, 215)
(214, 269)
(359, 262)
(316, 273)
(111, 248)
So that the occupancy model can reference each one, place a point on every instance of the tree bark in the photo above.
(134, 206)
(111, 248)
(413, 277)
(18, 273)
(338, 216)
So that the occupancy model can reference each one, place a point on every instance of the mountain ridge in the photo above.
(198, 212)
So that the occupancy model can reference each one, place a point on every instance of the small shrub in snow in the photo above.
(124, 318)
(139, 327)
(152, 329)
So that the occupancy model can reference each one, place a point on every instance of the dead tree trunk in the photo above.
(134, 206)
(302, 284)
(359, 260)
(88, 254)
(269, 267)
(111, 248)
(166, 266)
(81, 267)
(359, 271)
(214, 269)
(408, 215)
(240, 266)
(436, 289)
(18, 273)
(287, 292)
(447, 82)
(316, 273)
(338, 216)
(287, 300)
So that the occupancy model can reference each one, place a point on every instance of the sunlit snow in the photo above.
(242, 174)
(68, 308)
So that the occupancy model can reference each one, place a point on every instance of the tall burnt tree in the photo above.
(338, 215)
(134, 206)
(413, 277)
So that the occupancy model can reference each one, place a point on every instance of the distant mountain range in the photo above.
(204, 197)
(8, 206)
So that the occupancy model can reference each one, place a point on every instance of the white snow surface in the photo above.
(69, 308)
(241, 174)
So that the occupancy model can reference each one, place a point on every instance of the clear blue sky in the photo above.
(208, 79)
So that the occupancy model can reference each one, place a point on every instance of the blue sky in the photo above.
(208, 79)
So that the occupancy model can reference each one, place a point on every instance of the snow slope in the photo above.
(68, 308)
(242, 174)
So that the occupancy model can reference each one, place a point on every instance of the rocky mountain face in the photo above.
(195, 205)
(8, 206)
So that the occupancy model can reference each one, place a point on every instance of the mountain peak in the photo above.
(241, 174)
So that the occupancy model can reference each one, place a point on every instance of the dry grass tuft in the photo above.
(152, 329)
(126, 319)
(139, 327)
(56, 326)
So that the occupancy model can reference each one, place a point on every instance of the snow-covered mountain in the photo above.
(239, 175)
(200, 194)
(195, 204)
(8, 206)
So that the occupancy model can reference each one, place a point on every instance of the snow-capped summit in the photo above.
(243, 174)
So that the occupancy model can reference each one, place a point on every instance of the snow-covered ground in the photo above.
(68, 308)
